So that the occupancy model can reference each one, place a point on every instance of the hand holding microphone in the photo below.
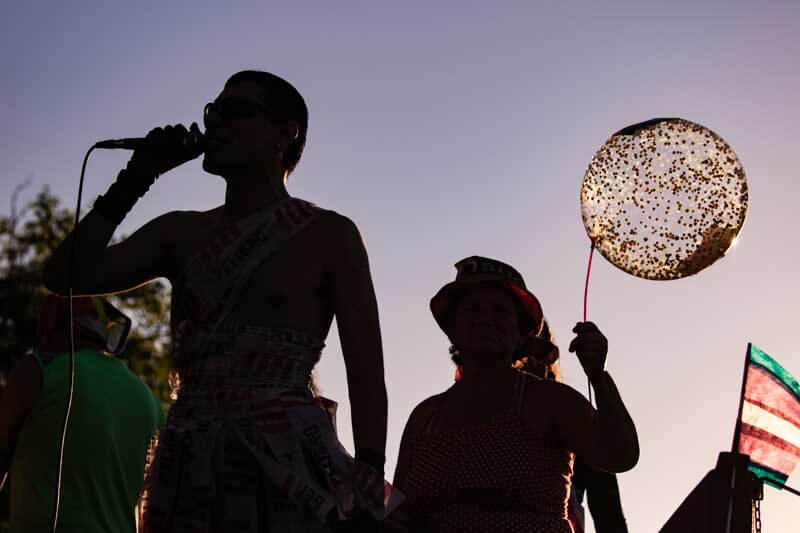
(160, 151)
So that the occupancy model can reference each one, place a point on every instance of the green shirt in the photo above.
(114, 415)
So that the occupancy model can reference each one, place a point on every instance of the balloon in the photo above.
(664, 199)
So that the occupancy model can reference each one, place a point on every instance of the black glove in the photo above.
(163, 150)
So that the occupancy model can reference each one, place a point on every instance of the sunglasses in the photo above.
(234, 108)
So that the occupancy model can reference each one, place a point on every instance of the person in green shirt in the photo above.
(113, 418)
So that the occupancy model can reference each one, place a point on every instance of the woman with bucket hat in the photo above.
(494, 452)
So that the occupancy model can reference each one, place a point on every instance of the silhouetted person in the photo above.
(494, 452)
(599, 488)
(256, 283)
(112, 420)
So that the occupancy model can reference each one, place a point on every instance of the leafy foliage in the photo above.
(27, 238)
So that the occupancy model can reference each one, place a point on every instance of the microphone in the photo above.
(194, 140)
(131, 143)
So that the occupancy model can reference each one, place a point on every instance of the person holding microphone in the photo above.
(256, 283)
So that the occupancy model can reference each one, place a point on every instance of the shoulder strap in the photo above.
(519, 392)
(432, 415)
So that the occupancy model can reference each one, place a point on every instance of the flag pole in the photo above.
(790, 489)
(737, 431)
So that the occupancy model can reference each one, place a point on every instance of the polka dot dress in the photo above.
(497, 477)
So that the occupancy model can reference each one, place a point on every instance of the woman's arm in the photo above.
(616, 431)
(356, 311)
(604, 502)
(96, 268)
(604, 438)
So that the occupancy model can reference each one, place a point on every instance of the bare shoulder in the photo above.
(417, 421)
(172, 225)
(415, 425)
(553, 399)
(428, 405)
(554, 391)
(180, 222)
(179, 233)
(337, 227)
(340, 241)
(422, 413)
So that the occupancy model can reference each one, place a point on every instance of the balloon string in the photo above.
(586, 287)
(585, 300)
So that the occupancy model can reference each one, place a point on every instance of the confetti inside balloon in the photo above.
(664, 199)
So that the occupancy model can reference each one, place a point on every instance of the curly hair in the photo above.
(542, 360)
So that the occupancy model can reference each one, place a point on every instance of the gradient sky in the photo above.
(447, 129)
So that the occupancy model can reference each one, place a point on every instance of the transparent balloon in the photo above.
(664, 199)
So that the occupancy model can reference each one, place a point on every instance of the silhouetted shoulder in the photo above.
(341, 240)
(182, 233)
(428, 405)
(335, 224)
(556, 391)
(553, 400)
(417, 421)
(174, 225)
(423, 412)
(186, 218)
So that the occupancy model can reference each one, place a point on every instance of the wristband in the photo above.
(117, 202)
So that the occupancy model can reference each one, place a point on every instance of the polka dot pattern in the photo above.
(495, 477)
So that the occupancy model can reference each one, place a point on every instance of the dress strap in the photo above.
(432, 415)
(519, 392)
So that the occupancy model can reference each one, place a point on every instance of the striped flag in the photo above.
(768, 429)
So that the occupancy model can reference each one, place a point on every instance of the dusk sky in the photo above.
(448, 129)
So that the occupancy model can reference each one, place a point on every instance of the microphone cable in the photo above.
(71, 322)
(195, 137)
